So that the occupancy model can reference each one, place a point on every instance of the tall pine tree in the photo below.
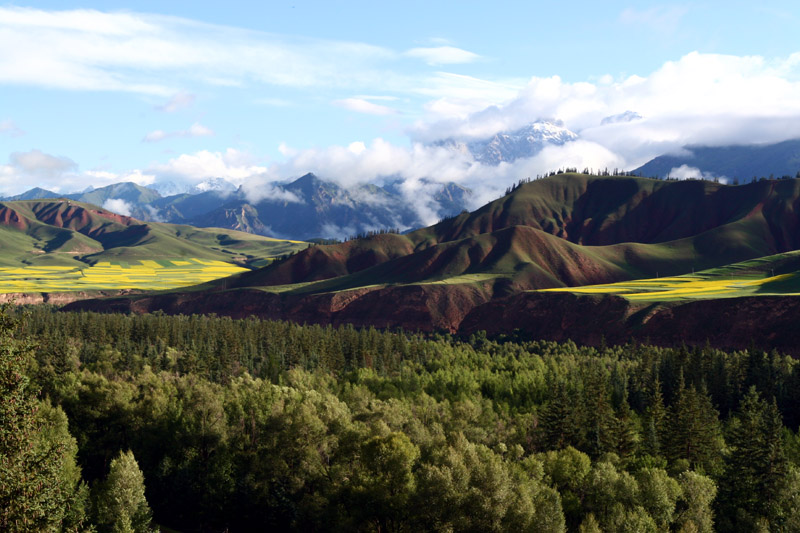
(756, 468)
(693, 431)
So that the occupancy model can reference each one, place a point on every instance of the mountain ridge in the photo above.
(323, 208)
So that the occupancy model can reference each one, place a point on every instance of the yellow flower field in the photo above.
(115, 275)
(679, 287)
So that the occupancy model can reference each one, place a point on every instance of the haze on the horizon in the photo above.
(104, 91)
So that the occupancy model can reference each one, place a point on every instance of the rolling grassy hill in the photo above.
(69, 233)
(62, 245)
(569, 230)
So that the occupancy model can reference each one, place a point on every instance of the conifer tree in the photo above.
(653, 422)
(693, 431)
(756, 468)
(121, 503)
(38, 477)
(601, 424)
(561, 423)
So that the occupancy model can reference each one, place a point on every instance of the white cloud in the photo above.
(181, 100)
(361, 105)
(257, 191)
(155, 136)
(424, 168)
(232, 165)
(458, 95)
(157, 55)
(195, 130)
(198, 130)
(118, 206)
(686, 172)
(40, 165)
(35, 168)
(699, 99)
(101, 178)
(92, 50)
(286, 150)
(442, 55)
(9, 127)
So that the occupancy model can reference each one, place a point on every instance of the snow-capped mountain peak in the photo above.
(214, 184)
(509, 146)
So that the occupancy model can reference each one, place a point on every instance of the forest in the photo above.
(201, 423)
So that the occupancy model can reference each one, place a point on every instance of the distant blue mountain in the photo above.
(742, 162)
(318, 208)
(34, 194)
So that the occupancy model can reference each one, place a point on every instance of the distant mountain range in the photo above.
(305, 208)
(740, 162)
(310, 207)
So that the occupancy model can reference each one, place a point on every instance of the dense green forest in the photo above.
(196, 423)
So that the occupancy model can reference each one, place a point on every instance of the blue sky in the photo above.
(97, 92)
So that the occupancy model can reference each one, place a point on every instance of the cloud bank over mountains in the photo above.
(619, 121)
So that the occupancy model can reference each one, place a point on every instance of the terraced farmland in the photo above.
(115, 275)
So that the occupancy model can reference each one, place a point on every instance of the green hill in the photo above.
(568, 230)
(70, 233)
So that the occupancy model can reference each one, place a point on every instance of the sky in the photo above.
(93, 93)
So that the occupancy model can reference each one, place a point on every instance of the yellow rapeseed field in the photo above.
(145, 275)
(678, 288)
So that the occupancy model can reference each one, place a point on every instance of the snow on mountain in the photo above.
(627, 116)
(509, 146)
(214, 184)
(170, 188)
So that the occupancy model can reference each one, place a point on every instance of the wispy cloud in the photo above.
(181, 100)
(41, 165)
(360, 105)
(9, 127)
(273, 102)
(442, 55)
(58, 173)
(663, 20)
(92, 50)
(196, 130)
(160, 55)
